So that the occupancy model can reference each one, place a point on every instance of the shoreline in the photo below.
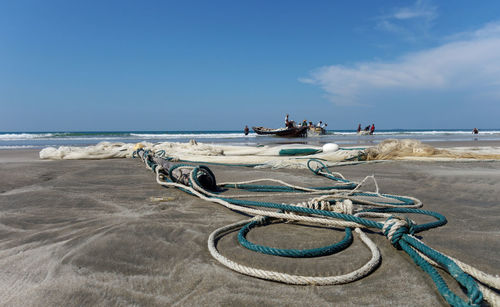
(41, 140)
(32, 154)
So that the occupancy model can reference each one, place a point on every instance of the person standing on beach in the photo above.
(246, 130)
(359, 128)
(372, 129)
(475, 131)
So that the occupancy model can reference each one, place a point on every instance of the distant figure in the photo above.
(475, 131)
(311, 124)
(246, 130)
(304, 123)
(372, 129)
(320, 124)
(359, 128)
(289, 123)
(367, 128)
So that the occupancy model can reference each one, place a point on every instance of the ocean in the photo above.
(37, 140)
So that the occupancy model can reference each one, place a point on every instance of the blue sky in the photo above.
(221, 65)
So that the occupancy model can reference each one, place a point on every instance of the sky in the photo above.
(220, 65)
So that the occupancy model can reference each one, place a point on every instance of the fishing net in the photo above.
(408, 149)
(271, 155)
(103, 150)
(263, 156)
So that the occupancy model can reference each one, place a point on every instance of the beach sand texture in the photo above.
(86, 233)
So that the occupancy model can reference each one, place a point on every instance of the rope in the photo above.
(293, 253)
(338, 212)
(363, 271)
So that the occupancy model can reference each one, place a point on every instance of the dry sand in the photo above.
(85, 233)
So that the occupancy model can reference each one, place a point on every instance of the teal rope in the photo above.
(473, 293)
(441, 219)
(359, 148)
(217, 163)
(401, 239)
(293, 253)
(273, 188)
(160, 153)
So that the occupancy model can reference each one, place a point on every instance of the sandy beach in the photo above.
(86, 233)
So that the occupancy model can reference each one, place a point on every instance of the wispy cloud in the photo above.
(420, 9)
(410, 22)
(470, 64)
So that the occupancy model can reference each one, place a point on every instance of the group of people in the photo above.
(290, 123)
(370, 128)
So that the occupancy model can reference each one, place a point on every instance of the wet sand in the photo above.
(86, 233)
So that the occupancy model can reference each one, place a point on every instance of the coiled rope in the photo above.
(334, 208)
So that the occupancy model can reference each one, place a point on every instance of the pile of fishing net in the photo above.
(277, 156)
(103, 150)
(408, 149)
(107, 150)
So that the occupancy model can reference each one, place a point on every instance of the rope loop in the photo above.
(160, 153)
(260, 221)
(318, 168)
(202, 179)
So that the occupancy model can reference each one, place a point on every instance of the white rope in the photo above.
(269, 179)
(281, 182)
(341, 194)
(333, 193)
(392, 225)
(366, 269)
(363, 181)
(319, 203)
(345, 207)
(309, 219)
(332, 173)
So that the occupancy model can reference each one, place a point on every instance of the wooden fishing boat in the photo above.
(285, 132)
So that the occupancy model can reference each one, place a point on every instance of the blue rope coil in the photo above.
(292, 253)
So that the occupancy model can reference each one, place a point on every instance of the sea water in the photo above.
(19, 140)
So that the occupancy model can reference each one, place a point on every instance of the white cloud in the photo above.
(421, 9)
(491, 29)
(409, 22)
(469, 65)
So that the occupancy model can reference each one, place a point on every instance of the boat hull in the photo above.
(283, 132)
